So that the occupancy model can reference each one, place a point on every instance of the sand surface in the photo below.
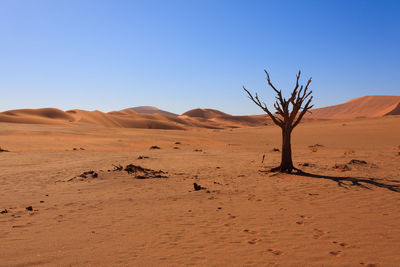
(245, 217)
(366, 106)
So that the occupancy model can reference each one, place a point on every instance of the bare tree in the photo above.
(285, 118)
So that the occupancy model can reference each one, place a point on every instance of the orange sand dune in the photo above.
(366, 106)
(128, 118)
(151, 110)
(150, 118)
(226, 120)
(36, 116)
(205, 113)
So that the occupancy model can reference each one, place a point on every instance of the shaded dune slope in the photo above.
(151, 110)
(224, 119)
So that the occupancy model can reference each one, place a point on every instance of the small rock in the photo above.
(177, 143)
(4, 211)
(275, 149)
(3, 150)
(155, 147)
(197, 187)
(29, 208)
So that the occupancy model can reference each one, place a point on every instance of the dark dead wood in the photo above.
(300, 103)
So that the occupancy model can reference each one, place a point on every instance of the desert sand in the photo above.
(244, 217)
(366, 106)
(341, 213)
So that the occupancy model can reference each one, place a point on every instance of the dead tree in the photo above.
(285, 118)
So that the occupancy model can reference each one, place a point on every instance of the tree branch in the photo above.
(257, 101)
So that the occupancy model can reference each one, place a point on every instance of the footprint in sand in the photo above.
(337, 253)
(251, 232)
(342, 244)
(276, 252)
(319, 233)
(368, 264)
(250, 197)
(231, 216)
(303, 219)
(253, 241)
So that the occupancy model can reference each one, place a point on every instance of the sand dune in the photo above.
(36, 116)
(226, 120)
(366, 106)
(204, 113)
(151, 110)
(129, 118)
(153, 118)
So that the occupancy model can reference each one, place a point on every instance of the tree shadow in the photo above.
(347, 182)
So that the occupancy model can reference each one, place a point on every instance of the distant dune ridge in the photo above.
(148, 117)
(366, 106)
(151, 110)
(205, 113)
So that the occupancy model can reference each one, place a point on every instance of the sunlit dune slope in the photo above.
(367, 106)
(36, 116)
(128, 118)
(124, 118)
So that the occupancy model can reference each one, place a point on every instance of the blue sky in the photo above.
(179, 55)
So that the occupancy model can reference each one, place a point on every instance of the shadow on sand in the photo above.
(356, 181)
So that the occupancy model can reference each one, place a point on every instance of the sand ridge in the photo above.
(147, 117)
(128, 118)
(366, 106)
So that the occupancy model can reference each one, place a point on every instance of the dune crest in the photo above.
(151, 110)
(129, 118)
(366, 106)
(147, 117)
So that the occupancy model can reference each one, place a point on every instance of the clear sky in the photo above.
(180, 55)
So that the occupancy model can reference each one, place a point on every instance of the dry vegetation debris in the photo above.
(144, 173)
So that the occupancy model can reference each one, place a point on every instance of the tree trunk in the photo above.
(286, 161)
